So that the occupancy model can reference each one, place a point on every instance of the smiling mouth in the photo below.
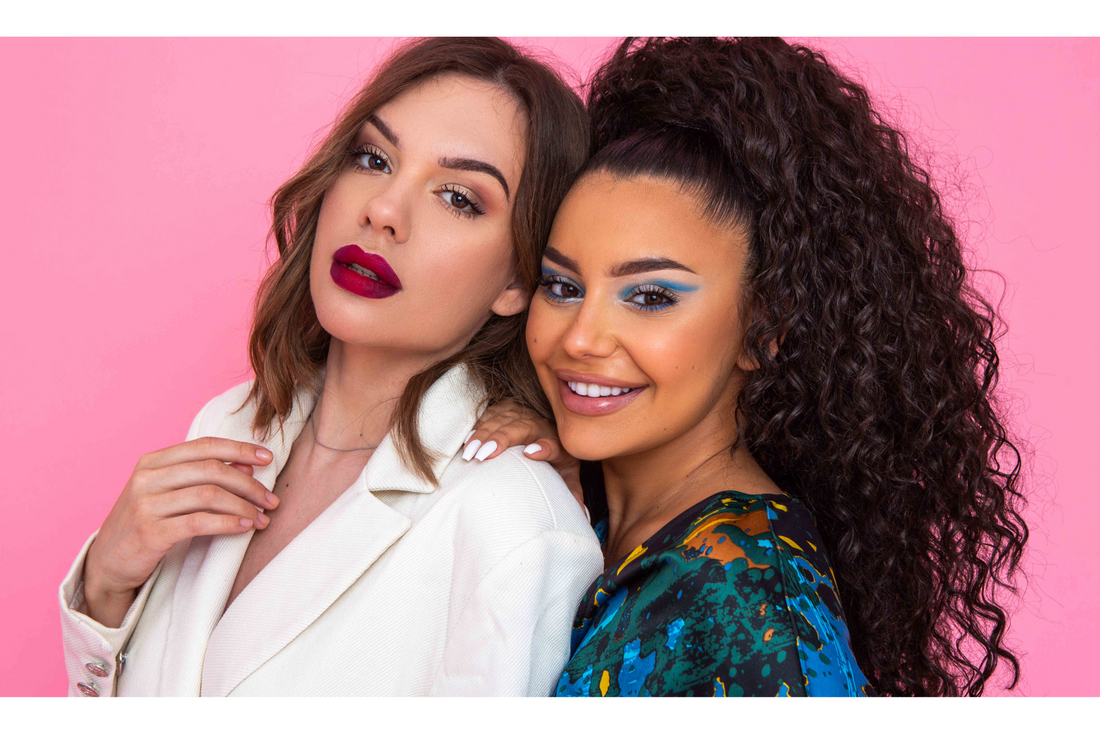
(596, 390)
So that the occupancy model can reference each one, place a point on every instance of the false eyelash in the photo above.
(357, 153)
(669, 296)
(545, 281)
(474, 206)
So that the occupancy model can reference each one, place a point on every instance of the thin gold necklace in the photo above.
(313, 431)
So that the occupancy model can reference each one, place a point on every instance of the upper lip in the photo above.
(354, 255)
(568, 376)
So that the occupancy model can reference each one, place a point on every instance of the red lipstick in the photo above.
(363, 274)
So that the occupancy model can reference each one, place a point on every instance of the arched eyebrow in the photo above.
(633, 267)
(385, 130)
(477, 166)
(456, 164)
(647, 264)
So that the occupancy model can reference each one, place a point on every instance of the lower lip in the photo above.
(595, 406)
(353, 282)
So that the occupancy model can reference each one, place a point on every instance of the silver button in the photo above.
(97, 669)
(120, 662)
(87, 690)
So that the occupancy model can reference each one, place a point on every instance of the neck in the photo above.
(361, 391)
(648, 489)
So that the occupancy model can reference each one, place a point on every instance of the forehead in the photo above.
(606, 220)
(453, 115)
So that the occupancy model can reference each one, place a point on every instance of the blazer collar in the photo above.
(447, 413)
(311, 572)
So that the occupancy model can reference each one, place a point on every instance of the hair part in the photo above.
(878, 411)
(287, 345)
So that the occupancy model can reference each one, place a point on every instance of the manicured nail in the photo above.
(246, 523)
(263, 454)
(532, 449)
(272, 499)
(486, 450)
(262, 519)
(469, 436)
(471, 449)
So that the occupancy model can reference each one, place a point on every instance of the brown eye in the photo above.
(371, 160)
(459, 201)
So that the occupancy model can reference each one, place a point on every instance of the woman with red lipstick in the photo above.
(316, 534)
(755, 316)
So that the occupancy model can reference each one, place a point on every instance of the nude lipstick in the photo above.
(362, 273)
(592, 395)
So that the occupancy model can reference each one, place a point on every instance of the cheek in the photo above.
(544, 330)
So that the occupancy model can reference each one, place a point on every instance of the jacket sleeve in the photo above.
(512, 638)
(92, 650)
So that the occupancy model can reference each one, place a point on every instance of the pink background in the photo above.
(135, 178)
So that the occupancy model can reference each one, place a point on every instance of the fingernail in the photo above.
(470, 435)
(272, 499)
(532, 449)
(486, 450)
(471, 449)
(262, 519)
(263, 454)
(246, 523)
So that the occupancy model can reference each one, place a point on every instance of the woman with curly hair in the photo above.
(754, 313)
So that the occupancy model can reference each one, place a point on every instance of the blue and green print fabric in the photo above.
(732, 598)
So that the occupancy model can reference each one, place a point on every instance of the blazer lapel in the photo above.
(299, 584)
(211, 563)
(318, 565)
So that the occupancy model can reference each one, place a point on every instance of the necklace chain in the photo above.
(313, 431)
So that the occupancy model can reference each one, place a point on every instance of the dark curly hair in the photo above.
(877, 410)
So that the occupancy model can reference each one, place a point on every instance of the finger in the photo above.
(496, 415)
(199, 524)
(206, 498)
(222, 449)
(516, 432)
(487, 425)
(242, 467)
(546, 449)
(210, 471)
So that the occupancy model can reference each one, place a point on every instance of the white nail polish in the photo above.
(468, 436)
(471, 449)
(486, 450)
(532, 449)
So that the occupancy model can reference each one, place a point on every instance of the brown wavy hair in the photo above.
(878, 410)
(288, 346)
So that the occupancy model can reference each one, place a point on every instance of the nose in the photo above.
(385, 212)
(591, 334)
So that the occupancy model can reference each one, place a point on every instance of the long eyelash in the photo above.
(545, 281)
(651, 288)
(357, 153)
(474, 206)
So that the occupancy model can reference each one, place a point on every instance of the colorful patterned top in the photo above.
(733, 597)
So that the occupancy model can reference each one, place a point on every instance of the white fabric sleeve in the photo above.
(512, 638)
(89, 646)
(92, 649)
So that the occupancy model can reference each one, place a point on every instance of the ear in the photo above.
(747, 363)
(512, 300)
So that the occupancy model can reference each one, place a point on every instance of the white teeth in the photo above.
(596, 390)
(362, 271)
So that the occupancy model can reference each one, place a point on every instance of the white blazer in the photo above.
(398, 588)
